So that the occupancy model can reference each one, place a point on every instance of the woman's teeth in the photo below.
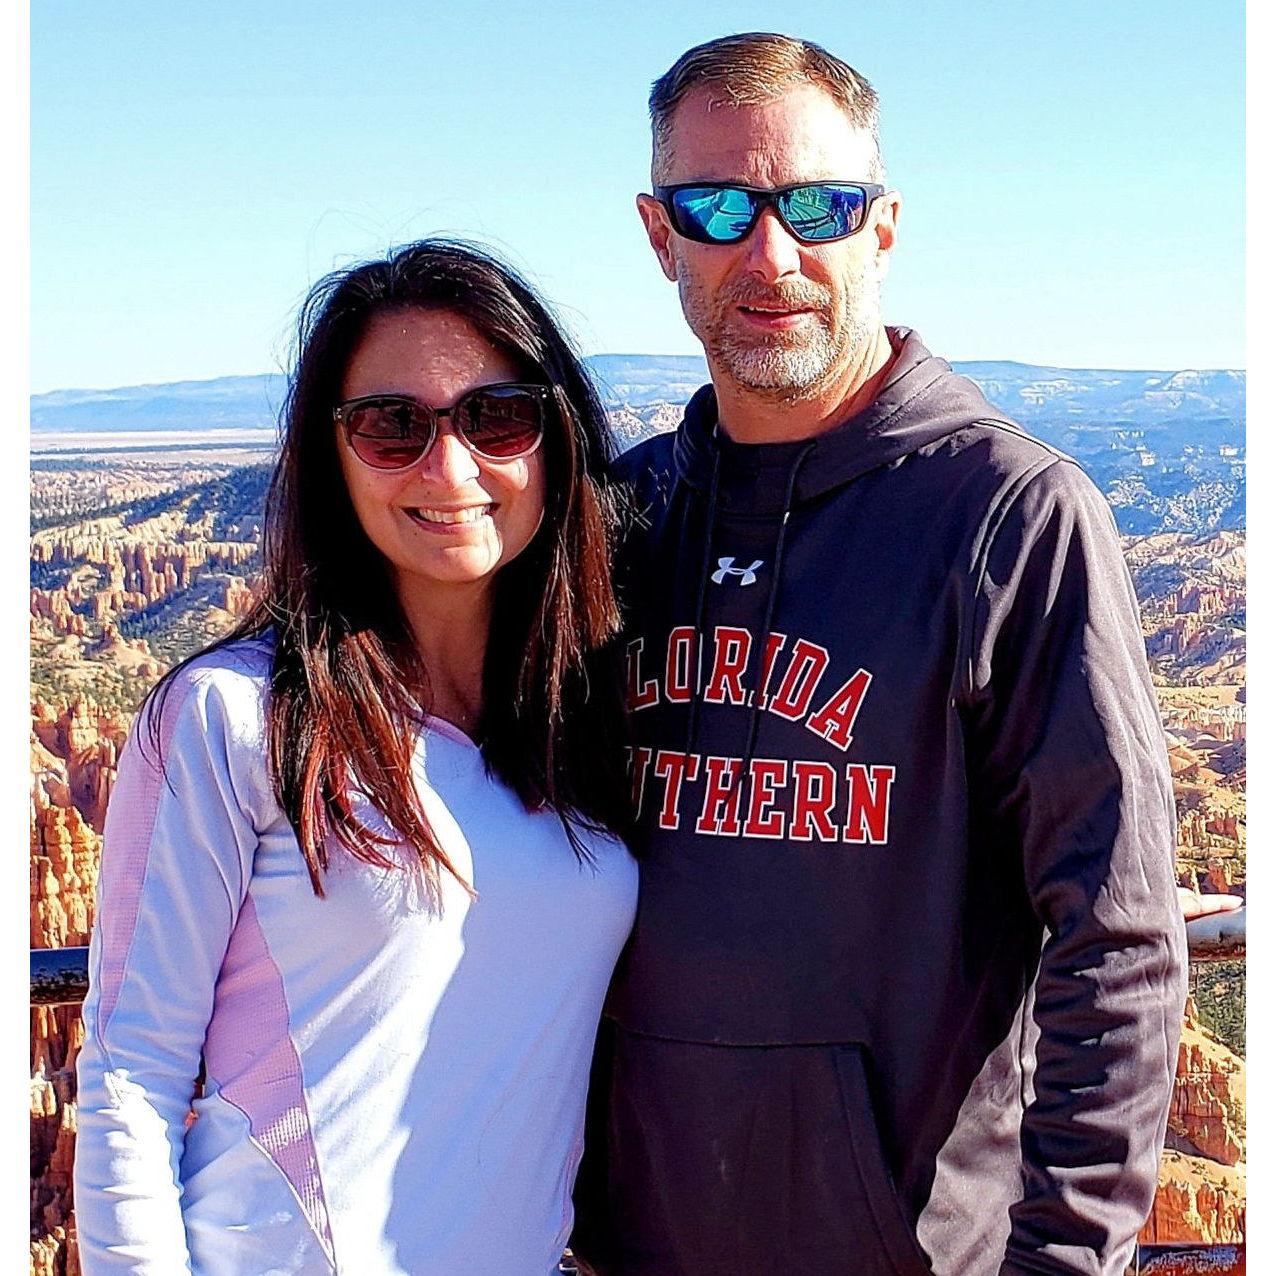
(471, 514)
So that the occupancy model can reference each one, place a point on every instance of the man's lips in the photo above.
(772, 316)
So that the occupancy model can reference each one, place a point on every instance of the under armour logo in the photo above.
(726, 567)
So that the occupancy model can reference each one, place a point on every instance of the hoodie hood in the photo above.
(922, 400)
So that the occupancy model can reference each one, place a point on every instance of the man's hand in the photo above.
(1195, 905)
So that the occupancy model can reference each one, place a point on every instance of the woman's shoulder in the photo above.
(239, 659)
(229, 662)
(224, 688)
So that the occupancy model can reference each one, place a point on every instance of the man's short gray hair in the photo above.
(753, 68)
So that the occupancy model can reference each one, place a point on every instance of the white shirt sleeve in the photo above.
(181, 832)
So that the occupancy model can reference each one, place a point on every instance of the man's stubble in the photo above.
(787, 365)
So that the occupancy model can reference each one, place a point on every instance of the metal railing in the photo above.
(1220, 937)
(1189, 1260)
(59, 976)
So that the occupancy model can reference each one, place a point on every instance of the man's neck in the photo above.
(760, 416)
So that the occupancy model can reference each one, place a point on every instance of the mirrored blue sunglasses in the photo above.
(812, 212)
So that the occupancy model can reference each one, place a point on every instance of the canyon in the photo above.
(136, 562)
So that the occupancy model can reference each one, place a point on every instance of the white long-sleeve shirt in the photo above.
(392, 1086)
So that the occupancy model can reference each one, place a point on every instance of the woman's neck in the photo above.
(449, 629)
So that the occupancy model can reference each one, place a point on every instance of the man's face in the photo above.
(774, 314)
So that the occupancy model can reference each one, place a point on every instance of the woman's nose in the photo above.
(448, 459)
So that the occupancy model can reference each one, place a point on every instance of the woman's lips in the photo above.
(446, 522)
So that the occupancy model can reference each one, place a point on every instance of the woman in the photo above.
(355, 865)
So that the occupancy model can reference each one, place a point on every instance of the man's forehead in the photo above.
(799, 133)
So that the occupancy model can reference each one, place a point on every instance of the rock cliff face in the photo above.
(1197, 1202)
(55, 1254)
(56, 1036)
(129, 577)
(74, 751)
(1208, 1108)
(1192, 600)
(75, 748)
(1200, 1195)
(238, 598)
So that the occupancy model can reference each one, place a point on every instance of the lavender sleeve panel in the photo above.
(266, 1085)
(181, 832)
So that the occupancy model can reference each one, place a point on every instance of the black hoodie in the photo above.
(905, 985)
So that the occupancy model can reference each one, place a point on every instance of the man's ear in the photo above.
(886, 227)
(659, 232)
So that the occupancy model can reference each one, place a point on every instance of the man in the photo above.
(904, 990)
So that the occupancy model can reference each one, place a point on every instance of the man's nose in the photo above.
(772, 251)
(449, 460)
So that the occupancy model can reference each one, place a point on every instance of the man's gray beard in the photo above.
(786, 369)
(782, 368)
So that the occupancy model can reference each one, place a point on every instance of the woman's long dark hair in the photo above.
(347, 686)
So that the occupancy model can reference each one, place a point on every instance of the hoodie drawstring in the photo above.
(764, 673)
(693, 718)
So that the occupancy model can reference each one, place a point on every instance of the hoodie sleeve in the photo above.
(1070, 784)
(176, 862)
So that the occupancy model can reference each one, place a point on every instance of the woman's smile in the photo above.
(444, 520)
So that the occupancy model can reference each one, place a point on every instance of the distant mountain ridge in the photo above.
(1029, 393)
(224, 403)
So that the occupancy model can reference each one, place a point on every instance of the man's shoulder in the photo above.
(646, 475)
(993, 458)
(1003, 444)
(653, 456)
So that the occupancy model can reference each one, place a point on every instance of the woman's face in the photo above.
(410, 515)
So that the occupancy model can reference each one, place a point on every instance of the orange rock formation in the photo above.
(1200, 1195)
(56, 1037)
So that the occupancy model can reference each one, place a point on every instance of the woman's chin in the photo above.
(456, 566)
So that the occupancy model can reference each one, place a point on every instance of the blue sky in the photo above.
(1072, 174)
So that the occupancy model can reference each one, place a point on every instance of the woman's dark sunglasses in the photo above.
(499, 422)
(812, 212)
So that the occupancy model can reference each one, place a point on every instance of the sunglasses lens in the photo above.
(823, 212)
(504, 421)
(388, 434)
(713, 214)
